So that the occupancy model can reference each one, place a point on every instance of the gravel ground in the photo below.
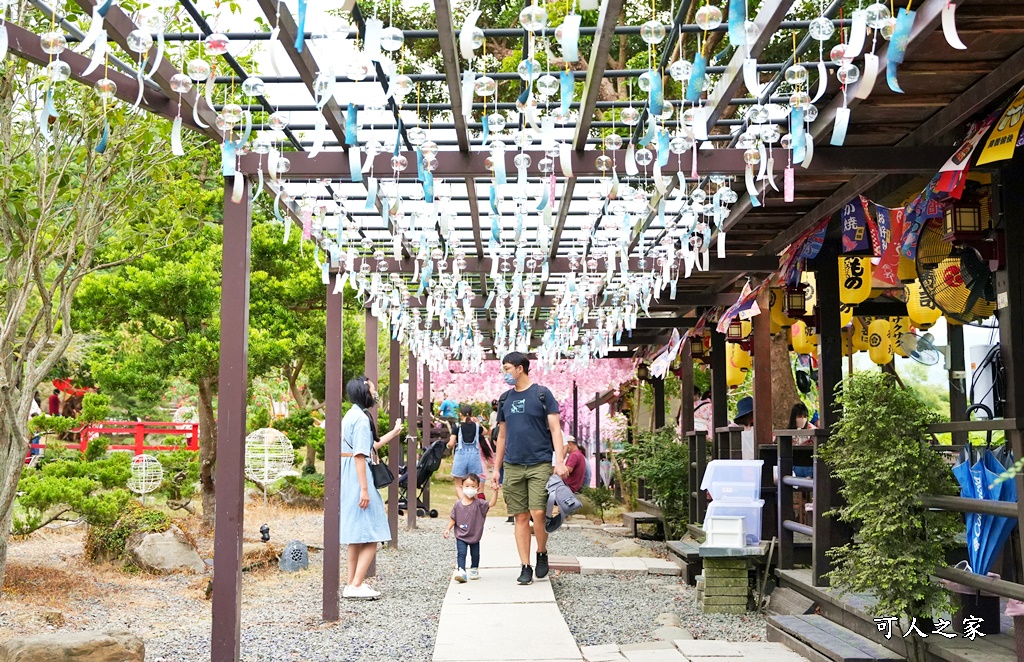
(611, 609)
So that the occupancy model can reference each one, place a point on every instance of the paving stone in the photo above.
(604, 653)
(668, 619)
(705, 648)
(647, 646)
(596, 565)
(629, 565)
(655, 656)
(564, 563)
(669, 633)
(662, 567)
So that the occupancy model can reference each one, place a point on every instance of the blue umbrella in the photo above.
(976, 472)
(999, 529)
(969, 490)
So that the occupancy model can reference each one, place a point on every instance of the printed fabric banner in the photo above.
(856, 235)
(1003, 139)
(962, 157)
(925, 207)
(890, 231)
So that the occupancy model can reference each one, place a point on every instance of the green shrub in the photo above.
(663, 464)
(310, 485)
(95, 407)
(96, 449)
(882, 458)
(46, 424)
(601, 497)
(107, 540)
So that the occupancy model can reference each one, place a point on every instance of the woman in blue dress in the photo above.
(364, 523)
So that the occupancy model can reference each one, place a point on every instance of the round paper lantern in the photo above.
(880, 342)
(906, 270)
(922, 310)
(802, 341)
(776, 297)
(773, 327)
(734, 375)
(845, 314)
(860, 333)
(742, 358)
(854, 279)
(900, 326)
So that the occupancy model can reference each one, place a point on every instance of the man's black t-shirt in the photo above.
(527, 435)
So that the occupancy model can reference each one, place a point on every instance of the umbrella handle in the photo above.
(985, 408)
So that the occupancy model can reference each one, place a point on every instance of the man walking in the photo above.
(528, 432)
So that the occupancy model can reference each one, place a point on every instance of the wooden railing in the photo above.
(787, 524)
(138, 431)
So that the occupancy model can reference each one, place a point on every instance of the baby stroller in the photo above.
(428, 463)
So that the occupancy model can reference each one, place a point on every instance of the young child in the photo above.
(467, 518)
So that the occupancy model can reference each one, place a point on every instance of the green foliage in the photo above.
(57, 452)
(601, 497)
(181, 474)
(663, 464)
(879, 453)
(258, 417)
(46, 424)
(107, 540)
(96, 449)
(95, 407)
(309, 485)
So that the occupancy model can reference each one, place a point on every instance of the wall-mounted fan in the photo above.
(921, 348)
(955, 276)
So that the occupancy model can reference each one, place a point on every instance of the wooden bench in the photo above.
(817, 638)
(688, 553)
(631, 520)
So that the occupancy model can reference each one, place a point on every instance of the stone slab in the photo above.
(707, 551)
(671, 633)
(662, 567)
(629, 565)
(647, 646)
(604, 653)
(724, 609)
(497, 586)
(697, 648)
(549, 638)
(597, 565)
(655, 656)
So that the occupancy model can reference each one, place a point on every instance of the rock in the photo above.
(672, 633)
(587, 509)
(112, 645)
(629, 548)
(295, 557)
(667, 619)
(163, 553)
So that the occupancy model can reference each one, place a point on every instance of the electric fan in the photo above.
(921, 348)
(955, 276)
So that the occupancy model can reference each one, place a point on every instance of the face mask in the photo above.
(470, 492)
(509, 378)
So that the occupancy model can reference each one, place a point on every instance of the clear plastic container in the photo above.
(733, 480)
(750, 511)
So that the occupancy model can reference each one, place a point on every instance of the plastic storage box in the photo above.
(724, 531)
(750, 511)
(733, 480)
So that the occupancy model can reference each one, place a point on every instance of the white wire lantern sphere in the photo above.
(147, 474)
(186, 414)
(268, 456)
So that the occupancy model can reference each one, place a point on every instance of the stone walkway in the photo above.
(495, 612)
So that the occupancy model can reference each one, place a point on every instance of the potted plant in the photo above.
(879, 453)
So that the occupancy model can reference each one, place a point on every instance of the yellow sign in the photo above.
(1003, 139)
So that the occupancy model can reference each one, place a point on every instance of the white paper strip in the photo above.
(466, 35)
(949, 27)
(763, 162)
(99, 52)
(319, 136)
(565, 158)
(259, 185)
(822, 81)
(751, 185)
(700, 123)
(236, 187)
(570, 37)
(809, 145)
(659, 181)
(631, 168)
(750, 79)
(771, 174)
(588, 5)
(468, 78)
(95, 28)
(158, 60)
(176, 147)
(371, 38)
(858, 31)
(721, 245)
(353, 159)
(842, 121)
(272, 47)
(867, 77)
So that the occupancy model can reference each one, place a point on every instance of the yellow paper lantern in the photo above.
(734, 375)
(906, 270)
(742, 358)
(922, 310)
(860, 333)
(900, 326)
(854, 279)
(845, 314)
(776, 297)
(773, 327)
(802, 341)
(880, 341)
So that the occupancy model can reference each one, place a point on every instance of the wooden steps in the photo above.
(825, 638)
(688, 554)
(631, 520)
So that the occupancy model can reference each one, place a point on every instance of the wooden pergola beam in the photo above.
(599, 51)
(452, 73)
(763, 264)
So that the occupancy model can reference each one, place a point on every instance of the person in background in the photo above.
(54, 403)
(466, 438)
(467, 518)
(745, 419)
(577, 463)
(702, 420)
(450, 413)
(798, 420)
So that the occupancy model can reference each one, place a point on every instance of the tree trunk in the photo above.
(291, 373)
(11, 462)
(207, 450)
(784, 393)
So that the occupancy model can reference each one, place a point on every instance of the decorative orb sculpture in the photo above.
(147, 474)
(268, 456)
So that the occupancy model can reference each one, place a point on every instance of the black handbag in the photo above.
(382, 476)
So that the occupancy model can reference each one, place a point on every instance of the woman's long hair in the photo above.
(358, 391)
(799, 409)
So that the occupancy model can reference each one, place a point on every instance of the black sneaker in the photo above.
(526, 576)
(511, 519)
(542, 565)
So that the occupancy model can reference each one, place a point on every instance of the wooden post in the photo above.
(719, 395)
(762, 340)
(370, 369)
(411, 447)
(597, 438)
(828, 531)
(685, 390)
(333, 393)
(395, 447)
(658, 384)
(233, 377)
(428, 427)
(957, 379)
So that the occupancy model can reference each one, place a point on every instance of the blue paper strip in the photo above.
(351, 125)
(428, 186)
(227, 158)
(300, 36)
(105, 7)
(649, 136)
(419, 165)
(568, 86)
(486, 131)
(398, 138)
(662, 148)
(494, 199)
(890, 77)
(655, 97)
(495, 229)
(737, 18)
(101, 146)
(696, 83)
(900, 36)
(796, 129)
(498, 157)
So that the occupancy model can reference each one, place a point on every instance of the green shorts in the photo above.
(526, 487)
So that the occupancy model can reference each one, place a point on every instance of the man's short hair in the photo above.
(56, 391)
(517, 359)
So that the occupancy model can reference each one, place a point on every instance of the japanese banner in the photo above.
(890, 231)
(855, 219)
(1002, 141)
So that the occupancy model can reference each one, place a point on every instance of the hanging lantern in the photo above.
(880, 342)
(803, 342)
(697, 350)
(777, 300)
(920, 308)
(845, 314)
(773, 326)
(742, 358)
(854, 279)
(734, 375)
(906, 270)
(860, 333)
(900, 326)
(643, 372)
(738, 330)
(966, 218)
(795, 303)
